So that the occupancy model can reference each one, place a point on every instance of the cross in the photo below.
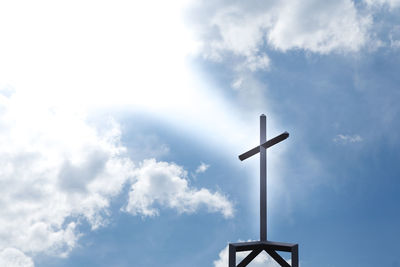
(262, 149)
(257, 246)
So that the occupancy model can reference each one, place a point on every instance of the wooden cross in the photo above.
(258, 246)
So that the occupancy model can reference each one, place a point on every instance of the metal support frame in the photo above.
(257, 247)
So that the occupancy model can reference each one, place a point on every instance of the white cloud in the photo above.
(321, 27)
(239, 34)
(257, 62)
(262, 260)
(55, 171)
(11, 257)
(166, 184)
(244, 29)
(348, 138)
(202, 167)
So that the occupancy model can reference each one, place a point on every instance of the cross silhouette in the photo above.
(257, 246)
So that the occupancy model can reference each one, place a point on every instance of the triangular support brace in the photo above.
(257, 247)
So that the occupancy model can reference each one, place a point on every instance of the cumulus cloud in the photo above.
(166, 184)
(320, 27)
(244, 29)
(55, 170)
(12, 257)
(341, 138)
(262, 260)
(238, 34)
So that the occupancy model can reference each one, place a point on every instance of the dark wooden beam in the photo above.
(267, 144)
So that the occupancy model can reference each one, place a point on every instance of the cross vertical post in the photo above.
(263, 179)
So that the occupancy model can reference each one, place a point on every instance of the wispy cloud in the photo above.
(202, 168)
(341, 138)
(391, 3)
(394, 36)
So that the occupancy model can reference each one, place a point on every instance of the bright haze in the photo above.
(121, 123)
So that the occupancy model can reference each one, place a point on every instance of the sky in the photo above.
(121, 123)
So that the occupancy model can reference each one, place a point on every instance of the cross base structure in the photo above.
(257, 247)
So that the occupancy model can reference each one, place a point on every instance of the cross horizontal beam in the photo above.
(267, 144)
(246, 246)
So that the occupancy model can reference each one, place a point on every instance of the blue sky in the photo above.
(121, 124)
